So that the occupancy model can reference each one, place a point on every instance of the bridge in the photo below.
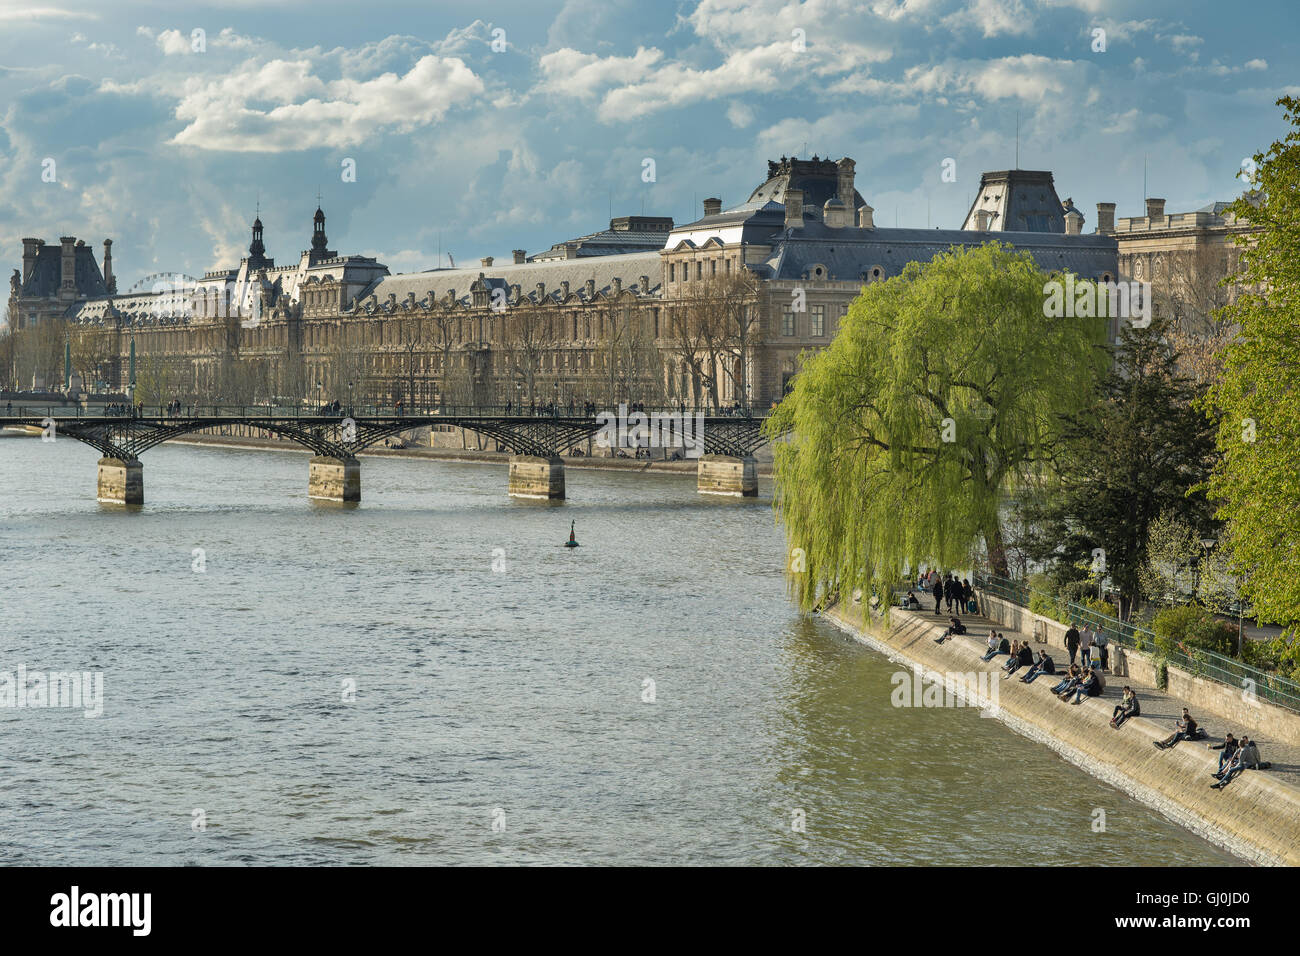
(723, 444)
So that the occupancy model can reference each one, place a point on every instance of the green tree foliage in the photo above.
(944, 388)
(1257, 401)
(1140, 448)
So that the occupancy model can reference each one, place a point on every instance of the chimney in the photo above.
(1155, 208)
(69, 263)
(844, 192)
(835, 214)
(519, 256)
(109, 282)
(794, 209)
(982, 217)
(712, 207)
(570, 250)
(1106, 218)
(485, 262)
(30, 249)
(864, 217)
(617, 285)
(1073, 222)
(645, 284)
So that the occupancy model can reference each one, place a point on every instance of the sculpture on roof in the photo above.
(15, 283)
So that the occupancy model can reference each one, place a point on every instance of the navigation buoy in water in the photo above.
(573, 541)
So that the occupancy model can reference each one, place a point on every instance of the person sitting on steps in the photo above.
(956, 627)
(993, 643)
(1186, 730)
(1126, 708)
(1091, 686)
(1229, 747)
(1071, 679)
(1045, 665)
(1246, 757)
(1021, 656)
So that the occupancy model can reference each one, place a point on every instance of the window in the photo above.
(713, 267)
(672, 272)
(727, 266)
(817, 320)
(656, 311)
(699, 269)
(787, 322)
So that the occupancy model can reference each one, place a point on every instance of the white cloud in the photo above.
(993, 18)
(173, 42)
(583, 75)
(15, 13)
(228, 113)
(740, 115)
(1122, 31)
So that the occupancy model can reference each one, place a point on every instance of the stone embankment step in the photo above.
(1160, 710)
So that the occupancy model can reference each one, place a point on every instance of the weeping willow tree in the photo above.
(945, 387)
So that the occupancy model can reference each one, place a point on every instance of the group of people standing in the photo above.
(1087, 642)
(946, 588)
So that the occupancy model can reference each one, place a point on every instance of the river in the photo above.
(430, 678)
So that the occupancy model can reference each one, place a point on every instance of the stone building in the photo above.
(1184, 257)
(714, 311)
(53, 279)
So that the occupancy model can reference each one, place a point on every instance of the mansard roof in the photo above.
(619, 238)
(852, 254)
(47, 273)
(603, 269)
(818, 179)
(1018, 200)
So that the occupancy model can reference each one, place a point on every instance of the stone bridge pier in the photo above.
(734, 476)
(537, 476)
(121, 481)
(332, 478)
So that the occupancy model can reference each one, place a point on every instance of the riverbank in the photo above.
(1257, 817)
(470, 455)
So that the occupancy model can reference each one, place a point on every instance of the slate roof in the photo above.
(47, 273)
(851, 254)
(817, 178)
(603, 269)
(607, 242)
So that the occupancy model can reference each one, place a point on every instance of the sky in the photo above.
(475, 129)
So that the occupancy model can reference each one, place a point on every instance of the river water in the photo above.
(360, 685)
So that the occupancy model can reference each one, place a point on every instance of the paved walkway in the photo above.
(1158, 707)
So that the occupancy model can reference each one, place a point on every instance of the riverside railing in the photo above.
(1266, 685)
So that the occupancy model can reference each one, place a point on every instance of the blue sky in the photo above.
(478, 151)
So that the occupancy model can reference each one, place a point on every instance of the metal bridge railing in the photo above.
(1267, 685)
(196, 410)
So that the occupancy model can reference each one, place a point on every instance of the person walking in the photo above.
(1103, 650)
(1072, 641)
(937, 591)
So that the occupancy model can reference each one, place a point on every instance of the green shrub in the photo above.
(1042, 596)
(1100, 606)
(1195, 628)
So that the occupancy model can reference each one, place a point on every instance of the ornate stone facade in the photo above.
(710, 312)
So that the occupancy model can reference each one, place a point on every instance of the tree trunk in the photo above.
(996, 546)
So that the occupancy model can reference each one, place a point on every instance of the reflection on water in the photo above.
(521, 690)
